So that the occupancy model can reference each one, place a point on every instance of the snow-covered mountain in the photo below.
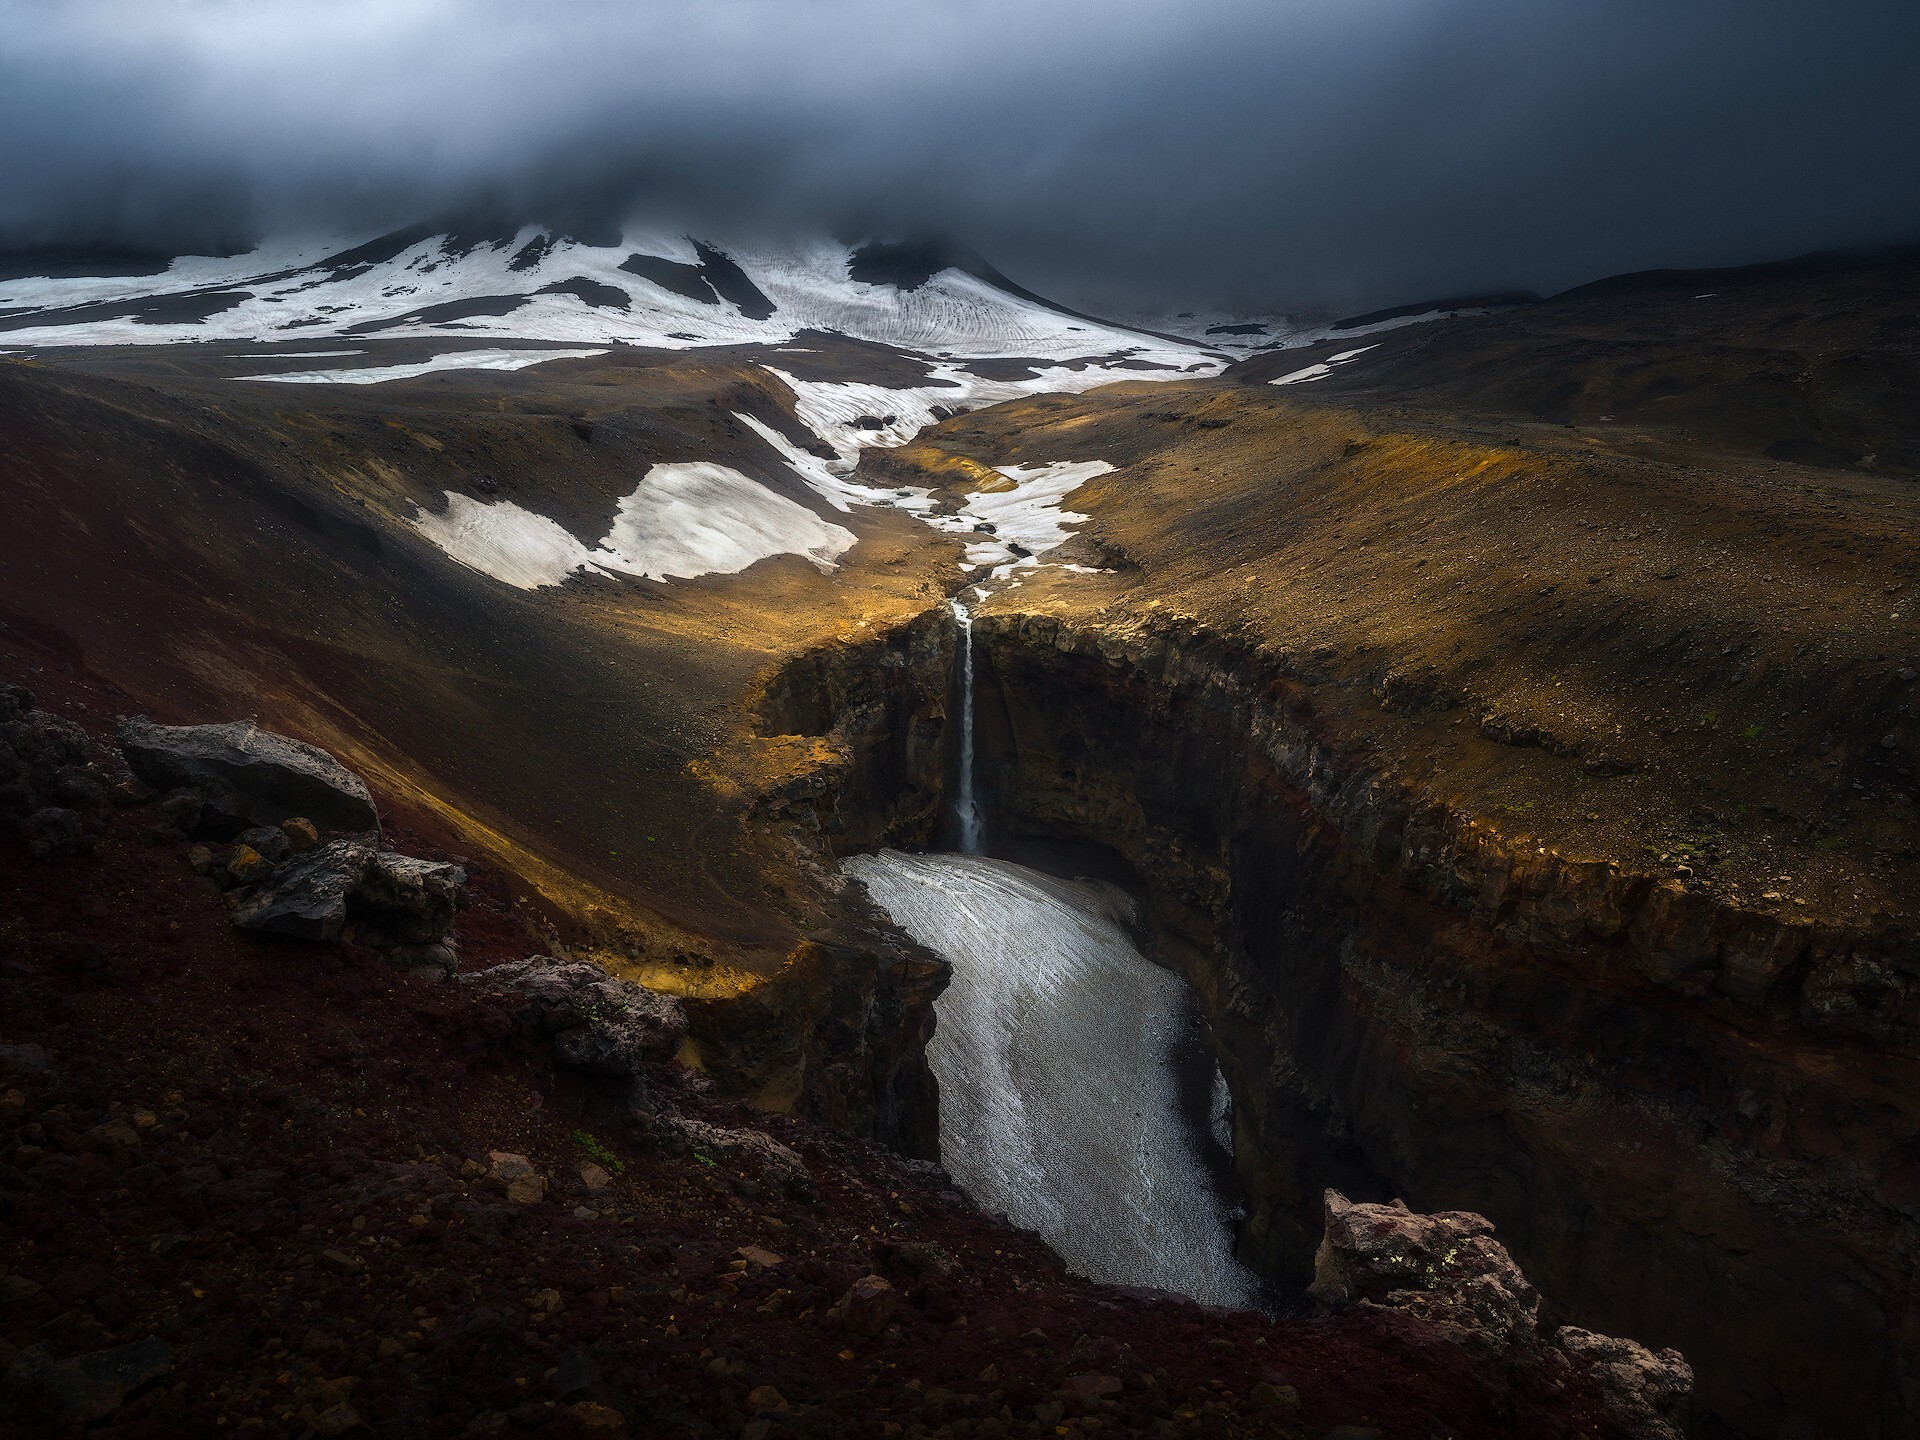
(536, 285)
(537, 297)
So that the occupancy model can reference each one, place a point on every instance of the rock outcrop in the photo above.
(1626, 1076)
(388, 897)
(248, 776)
(50, 788)
(596, 1022)
(1448, 1268)
(86, 1388)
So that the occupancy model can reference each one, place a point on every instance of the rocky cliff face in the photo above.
(1690, 1122)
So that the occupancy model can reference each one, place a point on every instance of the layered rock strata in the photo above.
(1691, 1121)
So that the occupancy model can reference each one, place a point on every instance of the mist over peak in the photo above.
(1311, 155)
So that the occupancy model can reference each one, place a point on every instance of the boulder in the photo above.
(1447, 1266)
(54, 831)
(90, 1387)
(248, 776)
(598, 1022)
(314, 896)
(753, 1149)
(45, 742)
(1642, 1389)
(1449, 1269)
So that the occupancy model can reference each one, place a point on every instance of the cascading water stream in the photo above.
(1064, 1055)
(966, 808)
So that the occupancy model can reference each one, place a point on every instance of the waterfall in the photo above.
(966, 809)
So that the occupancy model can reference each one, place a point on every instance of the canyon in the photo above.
(1508, 731)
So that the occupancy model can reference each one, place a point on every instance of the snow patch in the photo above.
(1322, 370)
(682, 521)
(701, 518)
(889, 417)
(500, 539)
(452, 360)
(1029, 515)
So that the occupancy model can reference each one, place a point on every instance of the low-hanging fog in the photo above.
(1259, 153)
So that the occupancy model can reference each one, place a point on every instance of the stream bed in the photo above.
(1075, 1096)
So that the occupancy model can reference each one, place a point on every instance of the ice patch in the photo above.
(1322, 370)
(300, 290)
(452, 360)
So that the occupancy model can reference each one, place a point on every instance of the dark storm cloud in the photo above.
(1348, 152)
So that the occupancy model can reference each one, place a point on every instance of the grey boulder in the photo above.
(314, 896)
(249, 776)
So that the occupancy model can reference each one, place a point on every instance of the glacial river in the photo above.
(1065, 1060)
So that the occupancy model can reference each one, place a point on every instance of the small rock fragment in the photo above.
(515, 1173)
(340, 1261)
(301, 834)
(248, 866)
(340, 1419)
(593, 1421)
(181, 809)
(868, 1305)
(1269, 1396)
(1089, 1388)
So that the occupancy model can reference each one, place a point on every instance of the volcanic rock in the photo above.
(54, 831)
(775, 1161)
(249, 776)
(1643, 1388)
(1447, 1264)
(44, 742)
(868, 1305)
(515, 1174)
(314, 895)
(181, 809)
(598, 1022)
(93, 1386)
(1448, 1267)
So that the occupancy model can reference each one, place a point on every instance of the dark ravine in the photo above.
(1693, 1125)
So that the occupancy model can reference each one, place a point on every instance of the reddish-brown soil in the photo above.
(298, 1221)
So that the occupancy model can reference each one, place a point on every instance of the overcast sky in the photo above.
(1287, 152)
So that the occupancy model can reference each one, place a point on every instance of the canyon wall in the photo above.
(1695, 1125)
